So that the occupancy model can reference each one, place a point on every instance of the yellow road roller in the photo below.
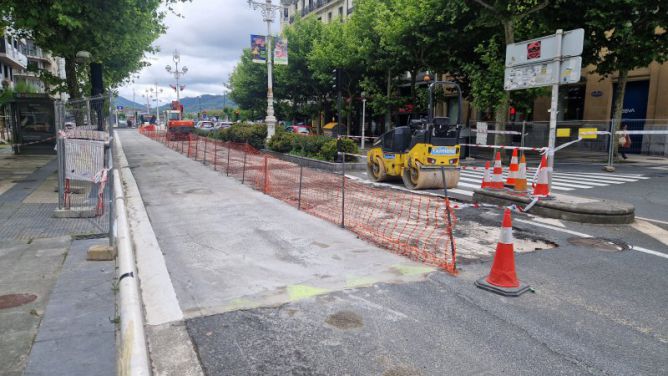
(420, 154)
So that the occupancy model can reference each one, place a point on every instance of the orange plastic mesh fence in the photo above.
(416, 226)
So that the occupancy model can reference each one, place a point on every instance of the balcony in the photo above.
(12, 56)
(37, 53)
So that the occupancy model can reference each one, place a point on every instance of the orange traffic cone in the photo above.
(497, 177)
(502, 279)
(521, 179)
(486, 180)
(542, 188)
(512, 171)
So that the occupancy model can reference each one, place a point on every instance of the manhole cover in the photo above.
(15, 300)
(601, 244)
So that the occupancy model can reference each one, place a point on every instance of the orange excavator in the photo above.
(177, 128)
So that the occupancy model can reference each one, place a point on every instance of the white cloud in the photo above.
(210, 38)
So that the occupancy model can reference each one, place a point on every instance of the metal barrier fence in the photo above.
(84, 147)
(416, 226)
(649, 137)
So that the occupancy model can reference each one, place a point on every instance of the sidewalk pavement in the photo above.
(37, 252)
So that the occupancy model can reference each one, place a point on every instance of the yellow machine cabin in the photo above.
(423, 154)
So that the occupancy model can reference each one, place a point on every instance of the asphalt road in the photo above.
(594, 311)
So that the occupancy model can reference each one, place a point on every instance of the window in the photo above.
(341, 12)
(329, 17)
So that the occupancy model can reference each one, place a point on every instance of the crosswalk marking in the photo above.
(562, 181)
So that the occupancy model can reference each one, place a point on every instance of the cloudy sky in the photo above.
(210, 37)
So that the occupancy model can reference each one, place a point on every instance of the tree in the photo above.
(301, 86)
(338, 49)
(248, 84)
(511, 15)
(117, 33)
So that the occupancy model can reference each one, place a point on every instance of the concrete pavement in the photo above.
(262, 295)
(69, 305)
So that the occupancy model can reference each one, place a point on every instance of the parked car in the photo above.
(223, 124)
(299, 129)
(205, 125)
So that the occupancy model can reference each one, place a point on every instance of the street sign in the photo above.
(481, 136)
(119, 107)
(544, 48)
(543, 74)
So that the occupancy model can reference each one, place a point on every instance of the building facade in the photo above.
(323, 10)
(12, 60)
(592, 98)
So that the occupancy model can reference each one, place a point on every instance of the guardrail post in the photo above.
(343, 190)
(206, 139)
(227, 168)
(243, 171)
(266, 175)
(299, 197)
(215, 154)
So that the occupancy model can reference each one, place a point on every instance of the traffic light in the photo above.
(336, 79)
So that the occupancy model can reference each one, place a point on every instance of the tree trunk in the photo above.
(388, 114)
(71, 79)
(501, 111)
(618, 106)
(413, 91)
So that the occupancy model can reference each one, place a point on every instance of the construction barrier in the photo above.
(416, 226)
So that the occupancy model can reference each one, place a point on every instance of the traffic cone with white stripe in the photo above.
(497, 176)
(521, 179)
(513, 170)
(502, 278)
(542, 187)
(486, 180)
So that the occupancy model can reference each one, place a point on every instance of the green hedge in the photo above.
(254, 134)
(318, 147)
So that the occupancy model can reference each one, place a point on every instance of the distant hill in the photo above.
(191, 104)
(205, 102)
(128, 104)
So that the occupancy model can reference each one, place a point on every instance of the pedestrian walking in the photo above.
(624, 141)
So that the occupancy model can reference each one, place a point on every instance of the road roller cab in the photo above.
(422, 155)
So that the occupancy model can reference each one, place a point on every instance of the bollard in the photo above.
(299, 197)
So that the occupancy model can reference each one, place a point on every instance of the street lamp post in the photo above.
(267, 9)
(158, 91)
(177, 73)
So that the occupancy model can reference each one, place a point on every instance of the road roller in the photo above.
(421, 153)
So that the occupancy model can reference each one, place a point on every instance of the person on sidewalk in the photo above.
(624, 141)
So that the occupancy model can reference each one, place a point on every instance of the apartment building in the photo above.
(323, 10)
(12, 59)
(38, 60)
(21, 61)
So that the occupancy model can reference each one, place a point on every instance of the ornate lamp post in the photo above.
(267, 9)
(157, 92)
(177, 73)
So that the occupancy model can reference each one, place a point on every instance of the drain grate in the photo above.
(601, 244)
(15, 300)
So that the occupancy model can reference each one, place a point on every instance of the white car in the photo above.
(205, 125)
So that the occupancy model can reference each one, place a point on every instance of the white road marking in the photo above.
(583, 235)
(649, 229)
(652, 220)
(461, 192)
